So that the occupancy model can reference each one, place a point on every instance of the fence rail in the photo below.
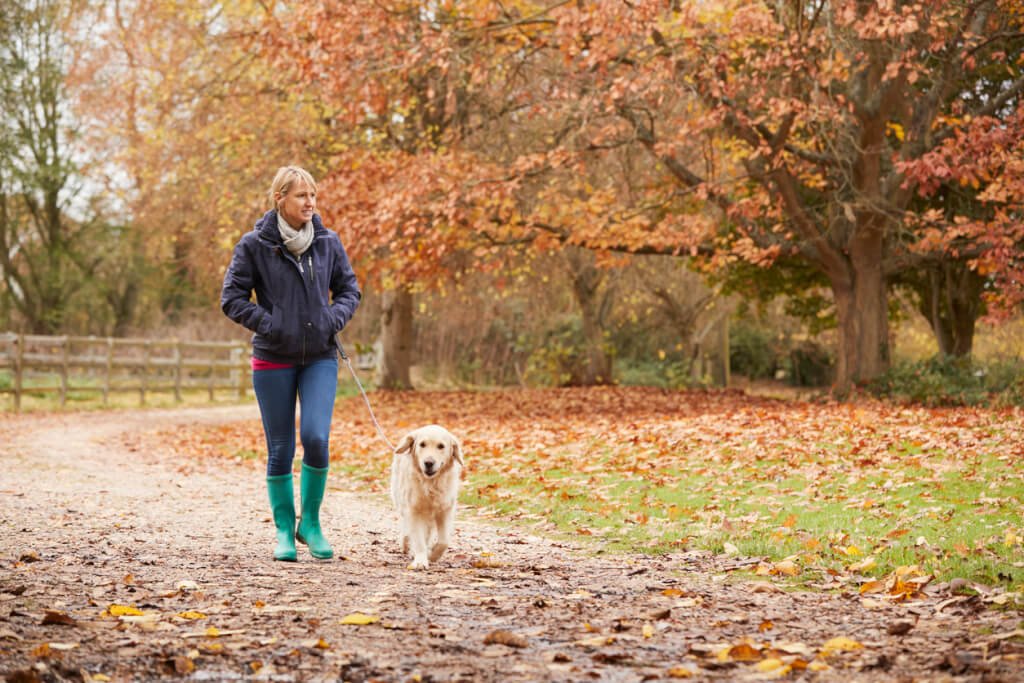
(109, 364)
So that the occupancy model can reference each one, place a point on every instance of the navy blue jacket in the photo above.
(297, 310)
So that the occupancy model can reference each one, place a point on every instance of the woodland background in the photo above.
(544, 192)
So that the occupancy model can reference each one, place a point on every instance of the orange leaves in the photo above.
(905, 583)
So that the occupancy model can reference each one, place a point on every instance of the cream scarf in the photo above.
(297, 241)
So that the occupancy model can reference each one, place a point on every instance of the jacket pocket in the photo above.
(324, 330)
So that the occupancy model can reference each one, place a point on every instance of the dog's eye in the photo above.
(440, 446)
(423, 444)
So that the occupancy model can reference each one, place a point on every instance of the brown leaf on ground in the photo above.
(503, 637)
(59, 618)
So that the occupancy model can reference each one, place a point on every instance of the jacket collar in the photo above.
(266, 228)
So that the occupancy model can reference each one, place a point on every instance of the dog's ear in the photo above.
(406, 444)
(457, 451)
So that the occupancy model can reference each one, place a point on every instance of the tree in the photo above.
(826, 105)
(198, 121)
(44, 252)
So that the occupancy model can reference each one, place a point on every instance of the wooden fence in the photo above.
(37, 364)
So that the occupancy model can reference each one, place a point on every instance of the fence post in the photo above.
(145, 373)
(177, 370)
(64, 371)
(238, 360)
(213, 371)
(19, 362)
(108, 370)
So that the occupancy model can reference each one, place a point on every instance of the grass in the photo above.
(895, 515)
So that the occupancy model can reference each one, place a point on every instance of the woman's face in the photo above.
(297, 206)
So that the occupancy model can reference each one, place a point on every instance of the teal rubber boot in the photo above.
(314, 480)
(282, 505)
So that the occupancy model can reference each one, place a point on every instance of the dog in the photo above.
(425, 473)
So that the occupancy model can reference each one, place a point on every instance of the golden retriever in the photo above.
(425, 473)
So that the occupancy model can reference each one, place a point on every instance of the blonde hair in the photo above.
(285, 178)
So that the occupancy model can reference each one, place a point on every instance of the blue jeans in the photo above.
(315, 385)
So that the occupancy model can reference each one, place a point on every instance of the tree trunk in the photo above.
(396, 339)
(586, 282)
(949, 297)
(861, 312)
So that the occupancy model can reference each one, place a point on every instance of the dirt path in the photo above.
(89, 522)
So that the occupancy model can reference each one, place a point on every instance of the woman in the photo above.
(306, 292)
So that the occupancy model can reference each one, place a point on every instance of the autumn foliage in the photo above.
(814, 132)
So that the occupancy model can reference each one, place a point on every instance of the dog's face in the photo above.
(432, 449)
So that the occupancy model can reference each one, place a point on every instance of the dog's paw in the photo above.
(437, 551)
(418, 563)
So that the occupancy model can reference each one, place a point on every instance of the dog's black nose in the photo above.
(428, 466)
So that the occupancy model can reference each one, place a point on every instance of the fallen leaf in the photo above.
(867, 564)
(58, 618)
(771, 664)
(764, 587)
(1019, 633)
(680, 672)
(793, 648)
(124, 610)
(743, 652)
(183, 665)
(359, 619)
(503, 637)
(191, 615)
(648, 631)
(786, 567)
(596, 641)
(840, 644)
(899, 628)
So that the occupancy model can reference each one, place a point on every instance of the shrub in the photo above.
(810, 365)
(753, 351)
(951, 381)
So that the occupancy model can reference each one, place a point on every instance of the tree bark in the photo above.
(860, 290)
(586, 282)
(396, 339)
(949, 298)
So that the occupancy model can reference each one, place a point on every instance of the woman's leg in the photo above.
(275, 393)
(317, 385)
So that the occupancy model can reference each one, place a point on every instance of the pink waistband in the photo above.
(258, 364)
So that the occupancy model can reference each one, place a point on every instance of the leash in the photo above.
(344, 357)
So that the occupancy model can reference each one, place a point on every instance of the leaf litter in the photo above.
(154, 496)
